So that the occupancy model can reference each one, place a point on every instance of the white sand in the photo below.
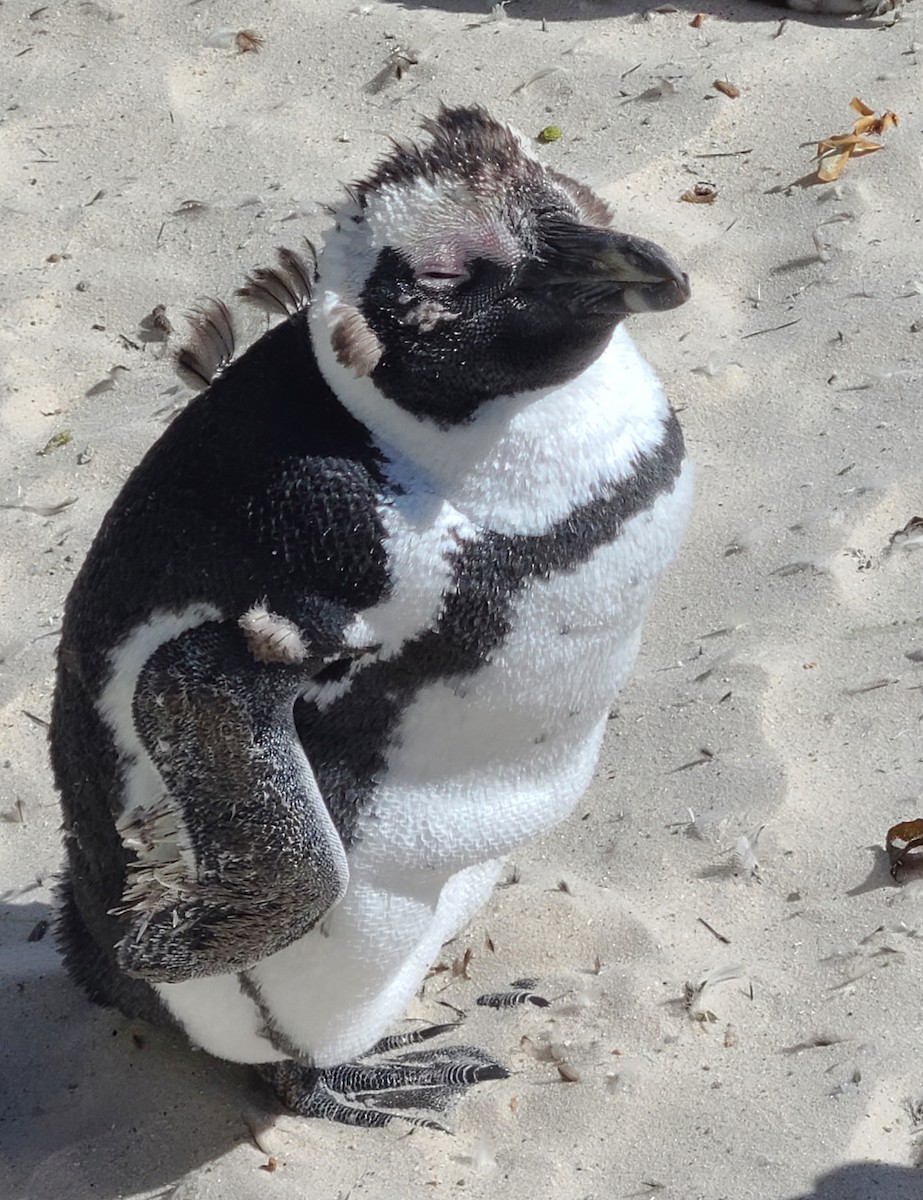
(808, 453)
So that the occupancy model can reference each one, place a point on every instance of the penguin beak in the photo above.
(607, 271)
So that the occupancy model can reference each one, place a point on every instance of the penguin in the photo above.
(351, 631)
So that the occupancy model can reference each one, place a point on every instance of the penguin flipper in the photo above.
(239, 857)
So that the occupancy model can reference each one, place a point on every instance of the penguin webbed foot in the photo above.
(371, 1094)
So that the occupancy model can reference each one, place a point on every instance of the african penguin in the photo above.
(352, 630)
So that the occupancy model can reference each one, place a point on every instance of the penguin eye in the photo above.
(442, 277)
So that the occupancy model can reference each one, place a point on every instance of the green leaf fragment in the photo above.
(56, 441)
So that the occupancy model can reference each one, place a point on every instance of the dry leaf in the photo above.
(904, 843)
(726, 88)
(702, 193)
(855, 142)
(698, 20)
(877, 125)
(834, 153)
(831, 163)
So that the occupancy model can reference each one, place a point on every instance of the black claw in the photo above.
(397, 1041)
(491, 1071)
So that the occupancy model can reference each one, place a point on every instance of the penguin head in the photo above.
(464, 270)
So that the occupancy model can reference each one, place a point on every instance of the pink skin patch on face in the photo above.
(445, 258)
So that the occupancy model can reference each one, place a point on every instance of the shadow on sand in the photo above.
(93, 1103)
(558, 11)
(867, 1181)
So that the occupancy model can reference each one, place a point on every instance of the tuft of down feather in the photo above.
(161, 874)
(211, 343)
(272, 638)
(287, 288)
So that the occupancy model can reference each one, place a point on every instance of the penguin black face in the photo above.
(466, 270)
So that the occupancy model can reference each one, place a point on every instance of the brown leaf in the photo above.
(877, 125)
(904, 843)
(833, 153)
(702, 193)
(698, 20)
(854, 142)
(831, 162)
(726, 88)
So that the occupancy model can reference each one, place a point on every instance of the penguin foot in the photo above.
(370, 1094)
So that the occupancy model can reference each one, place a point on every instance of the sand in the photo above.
(774, 691)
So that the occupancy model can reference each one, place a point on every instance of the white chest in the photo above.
(484, 761)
